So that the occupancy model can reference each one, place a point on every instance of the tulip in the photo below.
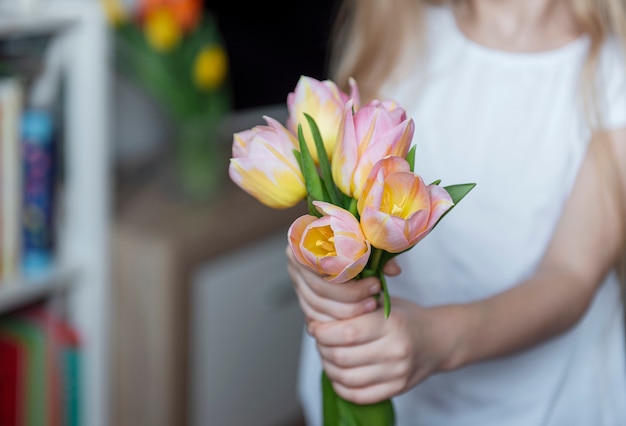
(397, 209)
(265, 166)
(187, 13)
(377, 130)
(161, 29)
(333, 246)
(324, 102)
(210, 67)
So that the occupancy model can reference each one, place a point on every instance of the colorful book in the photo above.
(40, 361)
(38, 192)
(31, 338)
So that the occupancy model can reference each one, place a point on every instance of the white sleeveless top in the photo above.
(512, 123)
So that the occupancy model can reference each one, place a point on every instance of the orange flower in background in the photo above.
(187, 13)
(161, 29)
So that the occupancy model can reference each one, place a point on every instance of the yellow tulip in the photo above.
(265, 166)
(162, 30)
(210, 67)
(323, 101)
(114, 11)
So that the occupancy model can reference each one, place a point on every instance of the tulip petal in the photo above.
(308, 246)
(345, 156)
(373, 189)
(417, 226)
(440, 202)
(269, 180)
(384, 231)
(405, 194)
(295, 234)
(354, 93)
(351, 270)
(341, 219)
(242, 140)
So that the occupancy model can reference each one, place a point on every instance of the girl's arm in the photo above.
(370, 359)
(587, 243)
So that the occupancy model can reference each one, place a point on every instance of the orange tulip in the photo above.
(397, 209)
(187, 13)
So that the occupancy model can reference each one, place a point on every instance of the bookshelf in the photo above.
(18, 294)
(80, 279)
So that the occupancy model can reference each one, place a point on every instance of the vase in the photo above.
(201, 159)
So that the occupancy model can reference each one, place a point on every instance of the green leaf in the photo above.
(437, 182)
(296, 154)
(410, 158)
(458, 192)
(312, 210)
(327, 177)
(339, 412)
(309, 171)
(329, 397)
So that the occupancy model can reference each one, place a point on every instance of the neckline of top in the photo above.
(572, 48)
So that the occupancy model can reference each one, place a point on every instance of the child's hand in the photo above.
(322, 301)
(370, 358)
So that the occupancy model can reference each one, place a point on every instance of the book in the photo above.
(11, 100)
(40, 370)
(32, 341)
(38, 192)
(11, 379)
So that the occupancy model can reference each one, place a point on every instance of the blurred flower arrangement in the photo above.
(172, 49)
(354, 165)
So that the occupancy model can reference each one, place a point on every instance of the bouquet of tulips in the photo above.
(354, 165)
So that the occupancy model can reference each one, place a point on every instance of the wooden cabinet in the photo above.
(161, 247)
(246, 329)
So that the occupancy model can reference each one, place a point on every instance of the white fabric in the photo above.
(513, 124)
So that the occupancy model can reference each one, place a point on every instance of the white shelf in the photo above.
(33, 25)
(19, 293)
(80, 38)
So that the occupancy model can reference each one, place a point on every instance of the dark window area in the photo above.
(271, 43)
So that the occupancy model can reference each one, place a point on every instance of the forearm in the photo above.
(530, 313)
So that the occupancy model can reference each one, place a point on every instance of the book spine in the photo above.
(11, 99)
(38, 193)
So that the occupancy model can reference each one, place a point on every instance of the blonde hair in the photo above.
(370, 35)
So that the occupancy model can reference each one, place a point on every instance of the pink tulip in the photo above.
(333, 246)
(265, 166)
(323, 101)
(377, 130)
(397, 209)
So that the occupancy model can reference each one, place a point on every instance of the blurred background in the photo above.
(138, 285)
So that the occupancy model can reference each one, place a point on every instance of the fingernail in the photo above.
(370, 305)
(375, 289)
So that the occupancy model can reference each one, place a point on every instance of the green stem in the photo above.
(353, 208)
(375, 261)
(377, 269)
(386, 298)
